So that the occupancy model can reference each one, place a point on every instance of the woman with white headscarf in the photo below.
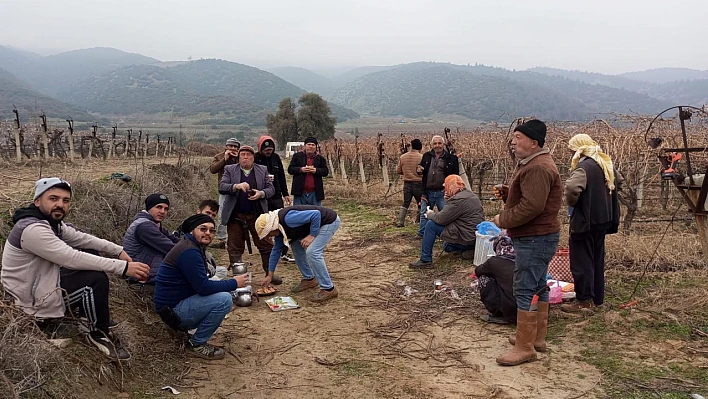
(591, 195)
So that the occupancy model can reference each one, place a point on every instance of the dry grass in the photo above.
(104, 208)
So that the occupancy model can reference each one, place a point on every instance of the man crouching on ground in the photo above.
(42, 259)
(183, 287)
(306, 229)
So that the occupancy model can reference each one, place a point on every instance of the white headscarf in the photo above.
(268, 222)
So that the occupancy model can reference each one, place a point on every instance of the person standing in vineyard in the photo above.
(308, 168)
(530, 216)
(412, 181)
(220, 161)
(591, 195)
(435, 166)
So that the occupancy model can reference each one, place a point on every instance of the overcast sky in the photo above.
(600, 36)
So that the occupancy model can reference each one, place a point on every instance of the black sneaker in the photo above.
(206, 351)
(111, 347)
(421, 264)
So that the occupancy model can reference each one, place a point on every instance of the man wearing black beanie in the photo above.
(146, 240)
(412, 181)
(530, 217)
(308, 168)
(184, 291)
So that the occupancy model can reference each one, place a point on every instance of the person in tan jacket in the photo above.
(220, 161)
(530, 216)
(412, 181)
(44, 257)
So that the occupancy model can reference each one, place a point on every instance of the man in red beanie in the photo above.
(530, 216)
(267, 157)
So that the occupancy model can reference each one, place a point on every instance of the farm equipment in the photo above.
(668, 163)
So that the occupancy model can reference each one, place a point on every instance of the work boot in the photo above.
(523, 350)
(305, 285)
(421, 264)
(324, 295)
(541, 328)
(402, 217)
(265, 260)
(577, 306)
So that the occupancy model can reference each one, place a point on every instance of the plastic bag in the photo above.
(488, 229)
(556, 294)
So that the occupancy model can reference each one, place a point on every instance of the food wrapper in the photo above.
(279, 303)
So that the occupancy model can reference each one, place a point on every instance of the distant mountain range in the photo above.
(111, 83)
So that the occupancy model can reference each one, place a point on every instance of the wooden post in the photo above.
(127, 143)
(362, 175)
(463, 175)
(71, 138)
(18, 143)
(93, 137)
(112, 145)
(157, 149)
(331, 167)
(384, 166)
(45, 139)
(343, 170)
(139, 143)
(147, 144)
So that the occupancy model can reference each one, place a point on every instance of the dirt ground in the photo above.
(337, 350)
(374, 341)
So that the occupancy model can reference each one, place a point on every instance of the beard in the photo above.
(57, 215)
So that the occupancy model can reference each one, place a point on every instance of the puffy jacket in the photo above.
(275, 168)
(148, 242)
(34, 253)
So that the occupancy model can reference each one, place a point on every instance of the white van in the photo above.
(292, 147)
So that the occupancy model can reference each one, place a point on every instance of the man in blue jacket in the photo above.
(182, 286)
(307, 229)
(146, 240)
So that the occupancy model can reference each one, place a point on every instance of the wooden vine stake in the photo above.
(383, 160)
(18, 143)
(362, 175)
(338, 152)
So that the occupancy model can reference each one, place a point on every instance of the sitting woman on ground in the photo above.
(496, 276)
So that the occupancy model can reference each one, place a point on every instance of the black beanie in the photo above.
(267, 143)
(416, 144)
(533, 129)
(311, 140)
(154, 199)
(195, 221)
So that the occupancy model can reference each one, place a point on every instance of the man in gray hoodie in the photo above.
(146, 240)
(43, 259)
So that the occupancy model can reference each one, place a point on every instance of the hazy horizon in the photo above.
(605, 37)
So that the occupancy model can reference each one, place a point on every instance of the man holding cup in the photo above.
(185, 297)
(308, 168)
(221, 160)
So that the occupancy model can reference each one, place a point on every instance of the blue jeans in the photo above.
(533, 254)
(435, 198)
(432, 231)
(307, 199)
(204, 313)
(221, 229)
(310, 261)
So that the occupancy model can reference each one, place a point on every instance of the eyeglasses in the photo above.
(207, 230)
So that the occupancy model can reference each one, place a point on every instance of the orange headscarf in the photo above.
(453, 185)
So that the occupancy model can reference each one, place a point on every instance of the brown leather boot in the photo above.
(522, 351)
(541, 328)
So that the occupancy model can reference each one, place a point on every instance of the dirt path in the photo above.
(342, 349)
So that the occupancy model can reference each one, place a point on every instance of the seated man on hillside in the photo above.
(210, 208)
(456, 223)
(307, 229)
(43, 258)
(146, 240)
(183, 290)
(496, 277)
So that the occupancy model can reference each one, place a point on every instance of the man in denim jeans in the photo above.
(435, 166)
(307, 230)
(182, 286)
(530, 216)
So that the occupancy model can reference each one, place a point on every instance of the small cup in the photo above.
(271, 177)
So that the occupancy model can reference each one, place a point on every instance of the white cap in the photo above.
(42, 185)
